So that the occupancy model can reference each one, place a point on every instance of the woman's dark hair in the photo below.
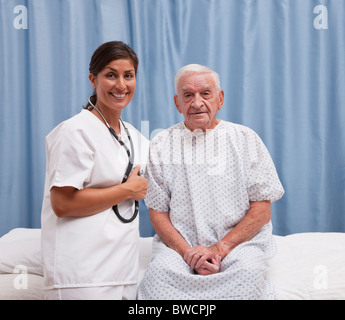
(104, 54)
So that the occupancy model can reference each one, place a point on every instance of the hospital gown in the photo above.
(205, 181)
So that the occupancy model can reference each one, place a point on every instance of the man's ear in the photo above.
(177, 104)
(221, 99)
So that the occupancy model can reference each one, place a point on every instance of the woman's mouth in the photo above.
(118, 96)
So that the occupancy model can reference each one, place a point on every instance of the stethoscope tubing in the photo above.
(130, 155)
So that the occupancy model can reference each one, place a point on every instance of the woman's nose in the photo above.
(121, 83)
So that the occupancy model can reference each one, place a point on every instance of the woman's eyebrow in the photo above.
(112, 69)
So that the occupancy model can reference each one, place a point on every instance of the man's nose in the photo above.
(198, 101)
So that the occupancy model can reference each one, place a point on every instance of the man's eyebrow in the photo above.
(192, 89)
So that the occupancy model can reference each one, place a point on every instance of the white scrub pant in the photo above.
(125, 292)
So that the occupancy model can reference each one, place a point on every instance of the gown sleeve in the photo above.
(262, 179)
(158, 195)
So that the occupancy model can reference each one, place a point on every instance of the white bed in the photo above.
(308, 266)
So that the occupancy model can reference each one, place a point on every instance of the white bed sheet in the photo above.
(308, 266)
(21, 287)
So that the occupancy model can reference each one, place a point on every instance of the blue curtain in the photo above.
(281, 64)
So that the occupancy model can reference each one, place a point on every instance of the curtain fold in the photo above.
(281, 64)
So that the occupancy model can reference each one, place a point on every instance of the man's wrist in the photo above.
(224, 248)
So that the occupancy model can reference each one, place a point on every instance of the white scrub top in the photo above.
(97, 250)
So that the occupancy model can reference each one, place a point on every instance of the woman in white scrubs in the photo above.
(87, 251)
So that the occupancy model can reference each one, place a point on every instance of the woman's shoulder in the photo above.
(68, 128)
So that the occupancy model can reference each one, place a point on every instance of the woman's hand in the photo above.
(137, 184)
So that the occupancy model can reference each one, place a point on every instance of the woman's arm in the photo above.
(71, 202)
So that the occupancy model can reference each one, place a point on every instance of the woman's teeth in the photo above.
(119, 96)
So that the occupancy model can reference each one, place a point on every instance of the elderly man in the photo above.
(211, 184)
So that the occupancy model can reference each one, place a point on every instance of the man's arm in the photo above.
(174, 240)
(205, 259)
(257, 216)
(167, 232)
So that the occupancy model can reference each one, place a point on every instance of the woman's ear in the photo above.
(92, 80)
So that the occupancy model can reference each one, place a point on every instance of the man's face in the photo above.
(199, 101)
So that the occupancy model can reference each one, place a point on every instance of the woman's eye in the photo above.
(129, 76)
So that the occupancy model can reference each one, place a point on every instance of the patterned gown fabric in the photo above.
(205, 181)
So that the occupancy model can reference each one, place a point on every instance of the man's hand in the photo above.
(203, 260)
(208, 268)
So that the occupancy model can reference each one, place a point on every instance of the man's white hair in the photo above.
(196, 68)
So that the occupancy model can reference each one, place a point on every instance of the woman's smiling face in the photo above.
(114, 85)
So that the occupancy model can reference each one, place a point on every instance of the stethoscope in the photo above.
(130, 155)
